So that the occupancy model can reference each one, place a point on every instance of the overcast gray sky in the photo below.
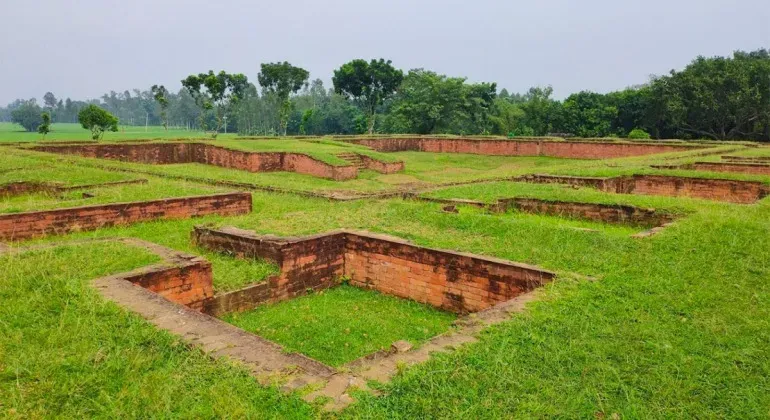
(84, 48)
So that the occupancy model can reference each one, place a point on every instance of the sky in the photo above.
(85, 48)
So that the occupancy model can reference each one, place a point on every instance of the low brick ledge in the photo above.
(28, 225)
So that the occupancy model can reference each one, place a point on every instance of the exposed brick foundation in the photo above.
(742, 168)
(30, 187)
(741, 192)
(605, 213)
(21, 226)
(572, 149)
(449, 280)
(749, 159)
(381, 166)
(167, 153)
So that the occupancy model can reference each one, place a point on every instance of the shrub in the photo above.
(27, 115)
(638, 134)
(97, 120)
(44, 127)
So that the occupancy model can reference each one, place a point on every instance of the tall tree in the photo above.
(369, 84)
(160, 94)
(49, 102)
(280, 80)
(217, 92)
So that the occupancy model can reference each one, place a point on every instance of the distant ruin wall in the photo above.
(168, 153)
(742, 192)
(572, 149)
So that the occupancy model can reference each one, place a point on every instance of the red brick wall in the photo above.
(572, 149)
(24, 187)
(167, 153)
(743, 168)
(381, 166)
(590, 211)
(20, 226)
(188, 282)
(743, 192)
(449, 280)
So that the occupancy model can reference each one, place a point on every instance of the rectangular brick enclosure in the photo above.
(741, 192)
(21, 226)
(605, 213)
(452, 281)
(528, 147)
(168, 153)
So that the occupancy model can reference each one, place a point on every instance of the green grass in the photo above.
(339, 325)
(12, 133)
(676, 325)
(153, 189)
(67, 353)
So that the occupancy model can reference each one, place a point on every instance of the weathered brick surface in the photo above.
(742, 192)
(184, 280)
(24, 187)
(167, 153)
(449, 280)
(757, 159)
(606, 213)
(743, 168)
(381, 166)
(572, 149)
(21, 226)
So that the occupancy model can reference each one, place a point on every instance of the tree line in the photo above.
(721, 98)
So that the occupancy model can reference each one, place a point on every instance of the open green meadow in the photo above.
(669, 326)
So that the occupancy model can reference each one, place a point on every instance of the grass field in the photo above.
(12, 133)
(344, 323)
(673, 326)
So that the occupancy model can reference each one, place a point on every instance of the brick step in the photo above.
(352, 159)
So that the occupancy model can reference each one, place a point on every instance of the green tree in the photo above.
(427, 103)
(719, 98)
(49, 101)
(588, 114)
(215, 92)
(280, 80)
(27, 115)
(97, 120)
(45, 126)
(160, 94)
(542, 114)
(369, 84)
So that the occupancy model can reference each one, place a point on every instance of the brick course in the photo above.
(572, 149)
(732, 191)
(168, 153)
(606, 213)
(742, 168)
(449, 280)
(21, 226)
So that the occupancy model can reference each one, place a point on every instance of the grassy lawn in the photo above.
(66, 353)
(339, 325)
(12, 133)
(676, 325)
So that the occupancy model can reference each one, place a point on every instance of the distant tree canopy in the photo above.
(281, 80)
(27, 115)
(97, 120)
(217, 92)
(724, 98)
(369, 84)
